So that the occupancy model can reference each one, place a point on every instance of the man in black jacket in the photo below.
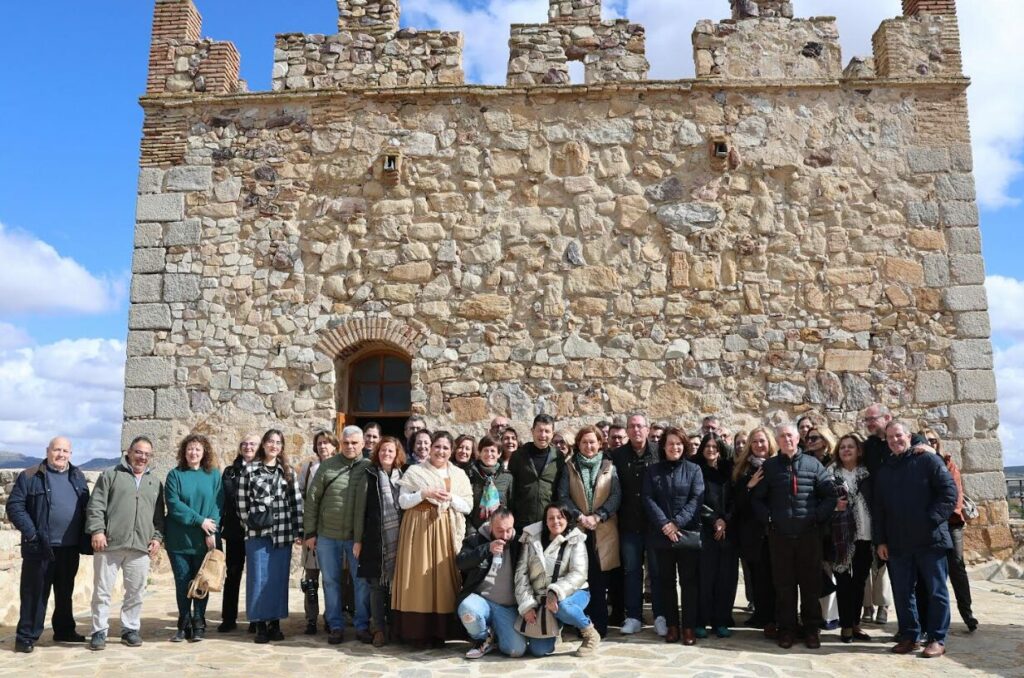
(631, 462)
(914, 496)
(535, 469)
(47, 505)
(795, 499)
(487, 603)
(877, 593)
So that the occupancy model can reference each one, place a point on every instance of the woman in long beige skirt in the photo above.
(436, 496)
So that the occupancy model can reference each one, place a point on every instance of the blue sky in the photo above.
(70, 125)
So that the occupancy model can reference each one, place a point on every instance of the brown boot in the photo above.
(905, 647)
(591, 641)
(689, 637)
(673, 635)
(933, 649)
(812, 641)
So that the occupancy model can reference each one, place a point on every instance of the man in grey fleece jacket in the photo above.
(126, 520)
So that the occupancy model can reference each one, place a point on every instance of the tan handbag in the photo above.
(210, 576)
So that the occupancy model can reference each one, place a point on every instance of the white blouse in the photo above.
(409, 498)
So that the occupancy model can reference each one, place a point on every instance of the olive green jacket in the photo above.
(336, 500)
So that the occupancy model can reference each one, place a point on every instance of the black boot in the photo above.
(198, 628)
(184, 629)
(261, 633)
(274, 630)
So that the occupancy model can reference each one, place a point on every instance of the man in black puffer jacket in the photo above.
(795, 499)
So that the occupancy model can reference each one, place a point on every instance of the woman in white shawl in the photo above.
(436, 496)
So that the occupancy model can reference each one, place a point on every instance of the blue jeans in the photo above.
(929, 567)
(571, 612)
(633, 549)
(477, 614)
(331, 554)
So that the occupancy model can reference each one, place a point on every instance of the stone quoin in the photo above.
(780, 233)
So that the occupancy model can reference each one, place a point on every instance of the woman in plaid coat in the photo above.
(270, 510)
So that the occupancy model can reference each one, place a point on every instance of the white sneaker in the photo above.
(482, 647)
(631, 626)
(661, 626)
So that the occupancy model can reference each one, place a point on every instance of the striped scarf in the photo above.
(390, 519)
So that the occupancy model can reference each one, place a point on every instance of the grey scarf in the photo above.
(389, 520)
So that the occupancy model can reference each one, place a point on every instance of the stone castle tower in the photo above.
(375, 237)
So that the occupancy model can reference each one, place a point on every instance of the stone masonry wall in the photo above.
(722, 245)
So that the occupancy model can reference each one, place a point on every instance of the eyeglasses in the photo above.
(814, 439)
(874, 418)
(933, 442)
(560, 443)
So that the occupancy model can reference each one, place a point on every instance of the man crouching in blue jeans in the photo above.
(487, 602)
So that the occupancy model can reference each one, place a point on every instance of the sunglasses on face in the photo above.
(814, 439)
(933, 441)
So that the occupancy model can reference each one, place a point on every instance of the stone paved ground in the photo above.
(997, 649)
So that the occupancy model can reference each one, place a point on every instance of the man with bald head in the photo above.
(914, 496)
(47, 505)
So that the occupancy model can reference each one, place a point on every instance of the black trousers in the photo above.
(597, 582)
(234, 561)
(796, 565)
(719, 576)
(684, 564)
(850, 585)
(616, 594)
(763, 584)
(37, 578)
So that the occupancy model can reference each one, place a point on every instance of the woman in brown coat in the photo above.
(589, 490)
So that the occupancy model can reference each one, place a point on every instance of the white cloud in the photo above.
(993, 52)
(71, 387)
(1006, 305)
(36, 278)
(13, 337)
(1010, 382)
(990, 31)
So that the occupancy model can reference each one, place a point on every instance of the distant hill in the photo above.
(15, 461)
(99, 464)
(1014, 471)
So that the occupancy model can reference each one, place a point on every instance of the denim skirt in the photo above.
(266, 580)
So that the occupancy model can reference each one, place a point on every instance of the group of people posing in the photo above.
(433, 538)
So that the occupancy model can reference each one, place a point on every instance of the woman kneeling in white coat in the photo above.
(549, 546)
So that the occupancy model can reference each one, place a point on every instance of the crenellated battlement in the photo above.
(923, 43)
(369, 16)
(611, 51)
(763, 40)
(181, 61)
(369, 50)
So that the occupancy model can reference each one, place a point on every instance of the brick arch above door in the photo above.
(357, 334)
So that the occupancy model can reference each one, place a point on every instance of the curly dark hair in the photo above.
(207, 462)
